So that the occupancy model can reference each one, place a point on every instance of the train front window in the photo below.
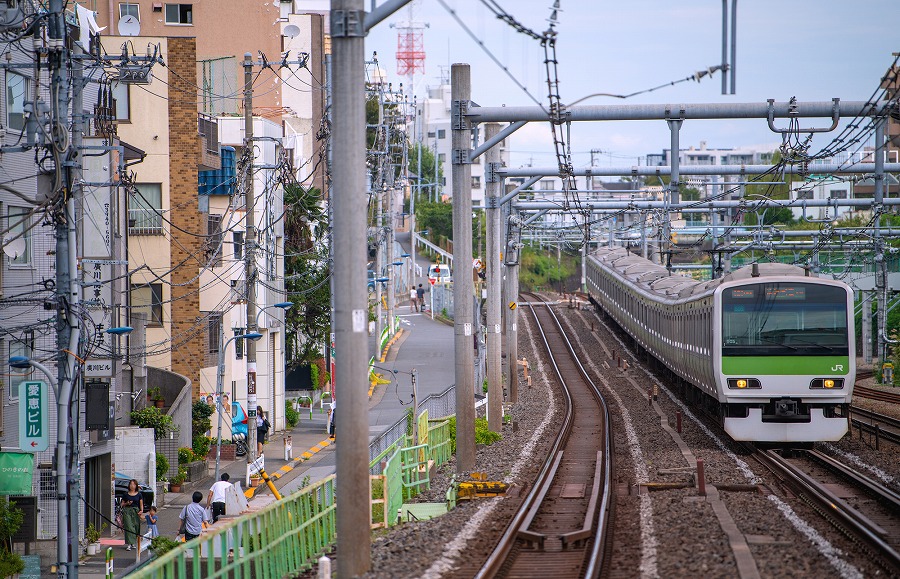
(784, 319)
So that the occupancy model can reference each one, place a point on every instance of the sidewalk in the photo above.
(425, 344)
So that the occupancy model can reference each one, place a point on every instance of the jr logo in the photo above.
(837, 368)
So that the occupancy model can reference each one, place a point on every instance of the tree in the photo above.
(430, 185)
(437, 218)
(307, 274)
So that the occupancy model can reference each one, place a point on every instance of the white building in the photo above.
(223, 284)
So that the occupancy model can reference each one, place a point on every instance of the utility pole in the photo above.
(463, 289)
(349, 317)
(250, 257)
(511, 258)
(880, 258)
(494, 281)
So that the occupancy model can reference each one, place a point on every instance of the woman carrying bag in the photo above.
(132, 507)
(262, 430)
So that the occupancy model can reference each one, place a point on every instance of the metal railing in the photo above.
(144, 222)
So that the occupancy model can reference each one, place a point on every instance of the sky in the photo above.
(812, 49)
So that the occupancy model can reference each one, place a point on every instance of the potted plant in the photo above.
(155, 394)
(255, 480)
(151, 417)
(178, 480)
(92, 538)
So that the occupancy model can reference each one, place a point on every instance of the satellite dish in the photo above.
(129, 26)
(15, 248)
(291, 30)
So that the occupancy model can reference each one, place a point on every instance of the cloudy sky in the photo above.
(812, 49)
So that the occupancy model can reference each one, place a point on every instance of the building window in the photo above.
(442, 157)
(16, 97)
(179, 14)
(147, 299)
(145, 209)
(123, 101)
(476, 182)
(214, 332)
(18, 222)
(442, 134)
(214, 240)
(804, 194)
(839, 194)
(129, 9)
(546, 184)
(237, 238)
(430, 134)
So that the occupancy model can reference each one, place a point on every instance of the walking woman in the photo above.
(262, 430)
(132, 507)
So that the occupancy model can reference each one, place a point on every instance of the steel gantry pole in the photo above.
(511, 259)
(463, 289)
(349, 316)
(880, 259)
(494, 280)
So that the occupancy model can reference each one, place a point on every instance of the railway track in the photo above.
(859, 506)
(874, 394)
(560, 530)
(878, 425)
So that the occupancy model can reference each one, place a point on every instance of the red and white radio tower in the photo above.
(410, 49)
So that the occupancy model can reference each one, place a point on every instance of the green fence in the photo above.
(286, 536)
(282, 538)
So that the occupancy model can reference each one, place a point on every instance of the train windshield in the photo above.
(784, 319)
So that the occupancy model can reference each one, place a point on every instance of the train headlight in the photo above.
(744, 383)
(827, 383)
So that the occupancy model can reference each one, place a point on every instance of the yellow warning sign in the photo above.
(513, 305)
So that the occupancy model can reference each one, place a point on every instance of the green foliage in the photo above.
(538, 269)
(185, 455)
(162, 465)
(410, 422)
(161, 545)
(152, 417)
(154, 393)
(431, 187)
(484, 386)
(201, 422)
(180, 477)
(444, 313)
(437, 218)
(453, 435)
(10, 564)
(290, 415)
(314, 376)
(200, 445)
(483, 434)
(92, 533)
(307, 274)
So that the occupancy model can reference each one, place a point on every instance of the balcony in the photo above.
(144, 222)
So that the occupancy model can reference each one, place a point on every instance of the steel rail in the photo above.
(600, 498)
(873, 422)
(834, 509)
(874, 394)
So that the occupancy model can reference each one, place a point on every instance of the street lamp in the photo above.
(220, 379)
(63, 480)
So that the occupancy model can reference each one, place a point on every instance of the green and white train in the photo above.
(767, 347)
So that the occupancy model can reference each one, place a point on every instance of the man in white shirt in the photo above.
(217, 497)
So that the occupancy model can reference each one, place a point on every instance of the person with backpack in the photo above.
(262, 430)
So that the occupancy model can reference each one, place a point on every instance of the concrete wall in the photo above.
(176, 389)
(136, 454)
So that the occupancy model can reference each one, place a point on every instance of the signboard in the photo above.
(257, 465)
(431, 280)
(27, 533)
(34, 416)
(15, 473)
(98, 369)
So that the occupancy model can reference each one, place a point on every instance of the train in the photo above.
(768, 348)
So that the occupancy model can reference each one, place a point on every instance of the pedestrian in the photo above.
(216, 497)
(152, 519)
(210, 401)
(193, 516)
(413, 300)
(420, 294)
(262, 430)
(331, 419)
(132, 506)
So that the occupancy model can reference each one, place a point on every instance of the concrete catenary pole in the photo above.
(494, 281)
(463, 306)
(512, 297)
(250, 256)
(349, 317)
(880, 260)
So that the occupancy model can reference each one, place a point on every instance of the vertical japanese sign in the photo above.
(34, 416)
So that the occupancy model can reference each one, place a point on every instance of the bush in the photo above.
(185, 455)
(11, 518)
(161, 545)
(10, 564)
(179, 478)
(151, 417)
(162, 466)
(201, 446)
(290, 415)
(200, 418)
(314, 376)
(483, 434)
